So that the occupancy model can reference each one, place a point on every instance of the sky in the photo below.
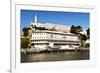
(65, 18)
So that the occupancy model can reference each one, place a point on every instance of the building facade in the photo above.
(45, 38)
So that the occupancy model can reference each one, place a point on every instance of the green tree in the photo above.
(88, 33)
(72, 29)
(35, 27)
(75, 29)
(82, 38)
(25, 31)
(78, 29)
(24, 42)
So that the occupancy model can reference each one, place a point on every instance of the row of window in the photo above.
(53, 36)
(55, 41)
(57, 38)
(39, 33)
(39, 37)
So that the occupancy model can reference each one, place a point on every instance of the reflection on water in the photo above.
(44, 57)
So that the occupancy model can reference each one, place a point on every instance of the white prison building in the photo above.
(43, 38)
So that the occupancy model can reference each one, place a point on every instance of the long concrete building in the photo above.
(45, 38)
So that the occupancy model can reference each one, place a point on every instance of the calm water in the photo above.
(44, 57)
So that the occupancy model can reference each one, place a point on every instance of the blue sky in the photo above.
(65, 18)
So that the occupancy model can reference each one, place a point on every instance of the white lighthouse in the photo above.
(35, 21)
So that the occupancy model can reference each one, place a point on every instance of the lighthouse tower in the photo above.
(35, 21)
